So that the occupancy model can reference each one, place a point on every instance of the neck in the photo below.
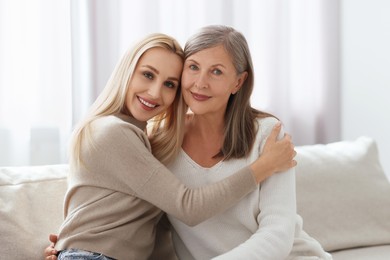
(203, 139)
(206, 127)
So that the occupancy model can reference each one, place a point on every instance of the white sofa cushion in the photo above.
(363, 253)
(343, 194)
(30, 208)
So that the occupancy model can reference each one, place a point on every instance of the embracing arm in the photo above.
(138, 173)
(122, 148)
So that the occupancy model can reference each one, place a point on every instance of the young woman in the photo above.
(224, 134)
(117, 188)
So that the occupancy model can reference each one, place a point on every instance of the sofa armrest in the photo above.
(31, 201)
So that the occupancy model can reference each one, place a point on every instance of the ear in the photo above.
(240, 81)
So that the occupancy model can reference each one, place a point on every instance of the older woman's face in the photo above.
(154, 83)
(209, 78)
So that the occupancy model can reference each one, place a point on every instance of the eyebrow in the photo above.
(152, 68)
(158, 72)
(213, 65)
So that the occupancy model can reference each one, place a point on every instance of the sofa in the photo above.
(343, 197)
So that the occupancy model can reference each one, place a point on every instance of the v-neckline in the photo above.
(197, 165)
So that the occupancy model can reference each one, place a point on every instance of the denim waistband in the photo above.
(78, 254)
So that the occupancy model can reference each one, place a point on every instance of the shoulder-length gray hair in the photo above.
(240, 123)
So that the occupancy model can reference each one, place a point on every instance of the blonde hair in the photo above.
(166, 135)
(240, 117)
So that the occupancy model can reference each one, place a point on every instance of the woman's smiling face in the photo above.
(154, 83)
(209, 78)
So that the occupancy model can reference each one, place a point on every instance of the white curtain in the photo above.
(35, 80)
(294, 44)
(56, 57)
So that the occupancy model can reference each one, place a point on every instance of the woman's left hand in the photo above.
(50, 252)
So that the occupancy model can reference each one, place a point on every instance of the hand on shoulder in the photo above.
(277, 155)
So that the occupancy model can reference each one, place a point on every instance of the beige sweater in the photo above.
(113, 204)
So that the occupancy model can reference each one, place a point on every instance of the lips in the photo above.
(147, 104)
(199, 97)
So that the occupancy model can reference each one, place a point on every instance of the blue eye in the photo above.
(148, 75)
(169, 84)
(193, 67)
(217, 72)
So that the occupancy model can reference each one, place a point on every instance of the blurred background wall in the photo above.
(322, 66)
(365, 72)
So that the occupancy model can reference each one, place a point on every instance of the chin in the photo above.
(198, 111)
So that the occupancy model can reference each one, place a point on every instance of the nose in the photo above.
(155, 90)
(201, 81)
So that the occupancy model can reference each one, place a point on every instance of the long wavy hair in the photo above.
(166, 133)
(240, 117)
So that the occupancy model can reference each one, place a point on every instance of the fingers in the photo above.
(275, 131)
(288, 139)
(51, 257)
(287, 136)
(293, 161)
(50, 251)
(281, 151)
(53, 238)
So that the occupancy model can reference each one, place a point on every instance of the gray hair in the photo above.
(240, 123)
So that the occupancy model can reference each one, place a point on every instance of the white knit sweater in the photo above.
(264, 225)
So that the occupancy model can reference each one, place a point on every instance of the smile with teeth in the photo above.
(146, 103)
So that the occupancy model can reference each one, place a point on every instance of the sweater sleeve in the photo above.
(121, 157)
(275, 236)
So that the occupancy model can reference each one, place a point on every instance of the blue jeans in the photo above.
(78, 254)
